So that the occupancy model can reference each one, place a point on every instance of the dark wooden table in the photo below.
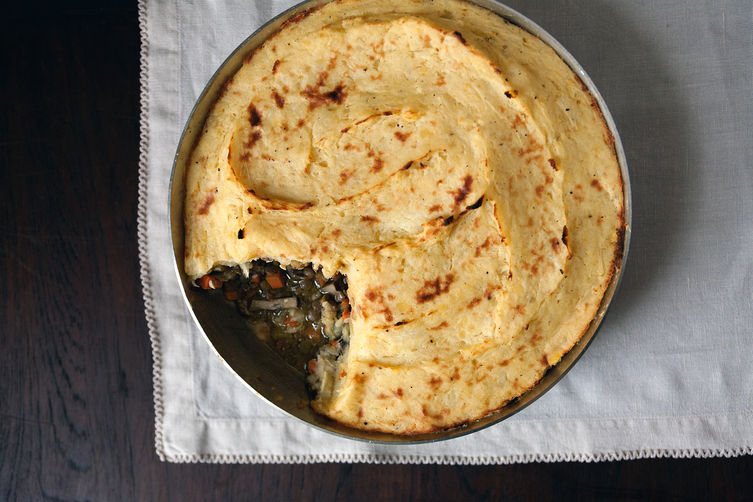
(76, 417)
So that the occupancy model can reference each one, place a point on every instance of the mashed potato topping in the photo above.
(451, 166)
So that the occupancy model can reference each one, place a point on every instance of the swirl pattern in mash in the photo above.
(451, 165)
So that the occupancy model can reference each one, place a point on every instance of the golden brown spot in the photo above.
(440, 80)
(545, 360)
(402, 136)
(435, 208)
(204, 209)
(251, 140)
(533, 146)
(518, 121)
(620, 244)
(372, 295)
(461, 193)
(441, 325)
(399, 392)
(382, 395)
(279, 100)
(553, 164)
(336, 232)
(473, 303)
(376, 297)
(555, 244)
(432, 289)
(505, 362)
(489, 290)
(378, 165)
(520, 309)
(455, 375)
(485, 245)
(345, 175)
(316, 98)
(254, 118)
(435, 382)
(597, 185)
(369, 219)
(297, 18)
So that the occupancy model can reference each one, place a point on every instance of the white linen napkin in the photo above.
(669, 373)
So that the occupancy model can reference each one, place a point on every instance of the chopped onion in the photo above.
(329, 289)
(276, 304)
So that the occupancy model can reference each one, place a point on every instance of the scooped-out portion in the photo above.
(450, 165)
(295, 310)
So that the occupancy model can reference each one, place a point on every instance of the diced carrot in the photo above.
(345, 304)
(290, 322)
(312, 366)
(312, 334)
(274, 280)
(209, 282)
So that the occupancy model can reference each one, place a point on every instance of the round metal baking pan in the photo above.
(264, 372)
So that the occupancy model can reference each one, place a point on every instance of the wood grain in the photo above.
(76, 417)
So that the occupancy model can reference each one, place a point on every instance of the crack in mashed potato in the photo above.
(451, 165)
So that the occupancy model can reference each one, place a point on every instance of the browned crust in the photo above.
(297, 18)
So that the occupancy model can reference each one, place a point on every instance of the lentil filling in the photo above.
(295, 310)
